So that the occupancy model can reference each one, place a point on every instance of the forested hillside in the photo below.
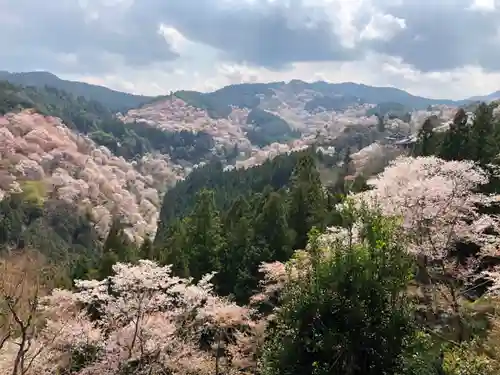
(99, 123)
(329, 96)
(116, 260)
(115, 100)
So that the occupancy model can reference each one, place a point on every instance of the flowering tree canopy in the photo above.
(145, 319)
(436, 199)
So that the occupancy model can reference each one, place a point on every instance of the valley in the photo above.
(144, 225)
(122, 164)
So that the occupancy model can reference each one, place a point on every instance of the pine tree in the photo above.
(426, 144)
(456, 141)
(174, 250)
(105, 268)
(146, 251)
(482, 146)
(118, 243)
(234, 267)
(204, 236)
(307, 200)
(272, 228)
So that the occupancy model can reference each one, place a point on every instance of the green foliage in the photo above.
(422, 356)
(266, 128)
(307, 201)
(55, 228)
(455, 142)
(205, 239)
(227, 186)
(464, 360)
(349, 314)
(391, 110)
(218, 103)
(232, 221)
(97, 121)
(477, 142)
(332, 103)
(115, 100)
(484, 135)
(34, 192)
(428, 141)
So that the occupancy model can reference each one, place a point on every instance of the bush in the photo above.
(349, 313)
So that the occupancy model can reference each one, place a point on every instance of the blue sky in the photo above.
(445, 48)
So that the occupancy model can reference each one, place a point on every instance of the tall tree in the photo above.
(118, 242)
(146, 251)
(345, 312)
(272, 227)
(205, 239)
(426, 144)
(482, 146)
(307, 200)
(235, 265)
(174, 249)
(456, 141)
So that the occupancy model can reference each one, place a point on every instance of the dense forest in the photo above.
(266, 128)
(269, 270)
(218, 103)
(115, 100)
(101, 125)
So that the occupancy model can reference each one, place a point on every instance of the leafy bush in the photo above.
(348, 313)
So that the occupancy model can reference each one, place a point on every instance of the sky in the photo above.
(434, 48)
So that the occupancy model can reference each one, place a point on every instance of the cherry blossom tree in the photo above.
(438, 203)
(145, 320)
(25, 278)
(436, 199)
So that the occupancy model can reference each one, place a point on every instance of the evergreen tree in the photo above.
(146, 251)
(426, 139)
(105, 269)
(118, 242)
(174, 250)
(307, 200)
(456, 141)
(240, 237)
(272, 227)
(482, 145)
(204, 236)
(348, 314)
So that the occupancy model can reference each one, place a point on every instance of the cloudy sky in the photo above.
(435, 48)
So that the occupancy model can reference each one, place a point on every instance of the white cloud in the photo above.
(446, 48)
(382, 26)
(377, 70)
(483, 5)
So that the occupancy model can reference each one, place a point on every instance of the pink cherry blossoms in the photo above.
(143, 318)
(436, 200)
(75, 169)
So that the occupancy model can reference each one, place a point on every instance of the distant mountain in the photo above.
(315, 96)
(102, 126)
(320, 95)
(114, 100)
(371, 94)
(486, 98)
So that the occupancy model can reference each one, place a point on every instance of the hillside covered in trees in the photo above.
(100, 124)
(115, 100)
(298, 264)
(366, 292)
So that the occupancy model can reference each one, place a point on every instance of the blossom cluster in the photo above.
(75, 169)
(143, 316)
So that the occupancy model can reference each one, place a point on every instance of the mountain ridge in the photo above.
(113, 99)
(122, 101)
